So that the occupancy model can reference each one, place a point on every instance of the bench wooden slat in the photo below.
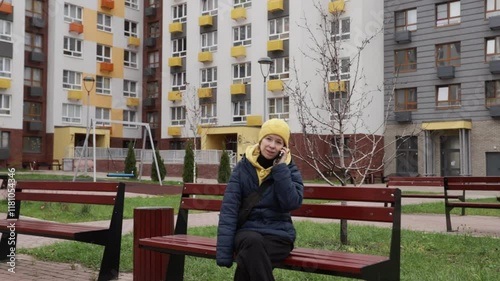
(473, 186)
(201, 204)
(474, 205)
(72, 186)
(204, 189)
(383, 195)
(364, 213)
(66, 198)
(488, 179)
(48, 229)
(414, 183)
(436, 196)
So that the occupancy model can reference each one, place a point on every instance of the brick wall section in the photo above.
(485, 136)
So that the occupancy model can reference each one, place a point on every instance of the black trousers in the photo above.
(256, 254)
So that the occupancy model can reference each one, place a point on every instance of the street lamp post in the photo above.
(88, 83)
(265, 67)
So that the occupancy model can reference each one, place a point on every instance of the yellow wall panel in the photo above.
(117, 129)
(90, 25)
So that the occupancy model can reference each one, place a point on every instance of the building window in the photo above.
(448, 13)
(5, 30)
(103, 53)
(130, 29)
(32, 111)
(72, 13)
(103, 115)
(279, 69)
(154, 59)
(448, 96)
(178, 115)
(339, 104)
(104, 22)
(406, 20)
(209, 7)
(4, 139)
(341, 29)
(407, 155)
(34, 8)
(129, 88)
(241, 109)
(209, 77)
(154, 3)
(129, 116)
(153, 89)
(406, 99)
(72, 80)
(209, 41)
(341, 68)
(179, 13)
(32, 144)
(279, 108)
(179, 81)
(208, 113)
(492, 8)
(279, 28)
(5, 67)
(73, 47)
(179, 47)
(242, 35)
(154, 30)
(32, 77)
(242, 73)
(103, 85)
(242, 3)
(131, 4)
(130, 59)
(492, 48)
(492, 93)
(405, 60)
(341, 145)
(152, 118)
(5, 104)
(448, 54)
(32, 41)
(72, 113)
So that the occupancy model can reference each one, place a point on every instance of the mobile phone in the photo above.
(278, 158)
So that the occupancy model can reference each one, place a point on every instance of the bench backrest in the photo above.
(472, 183)
(415, 181)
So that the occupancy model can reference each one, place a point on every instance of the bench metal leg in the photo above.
(175, 268)
(110, 264)
(4, 244)
(448, 219)
(462, 199)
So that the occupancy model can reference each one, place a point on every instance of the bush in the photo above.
(224, 168)
(161, 164)
(130, 162)
(188, 170)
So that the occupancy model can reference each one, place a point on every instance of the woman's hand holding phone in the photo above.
(281, 156)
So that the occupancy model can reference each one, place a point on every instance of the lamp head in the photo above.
(88, 83)
(266, 62)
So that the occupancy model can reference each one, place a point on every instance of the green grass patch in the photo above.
(425, 256)
(438, 208)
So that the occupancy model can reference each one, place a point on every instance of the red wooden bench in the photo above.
(99, 193)
(353, 265)
(468, 183)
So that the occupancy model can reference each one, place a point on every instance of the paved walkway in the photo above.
(29, 269)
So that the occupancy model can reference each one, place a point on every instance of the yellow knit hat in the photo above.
(275, 127)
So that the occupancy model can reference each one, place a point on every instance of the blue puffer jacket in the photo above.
(271, 215)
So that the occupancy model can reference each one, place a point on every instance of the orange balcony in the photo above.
(76, 27)
(106, 66)
(6, 8)
(108, 4)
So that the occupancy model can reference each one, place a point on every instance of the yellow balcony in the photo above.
(204, 93)
(4, 83)
(205, 57)
(206, 20)
(239, 13)
(75, 95)
(175, 96)
(336, 6)
(274, 45)
(133, 102)
(254, 120)
(237, 89)
(274, 5)
(76, 27)
(106, 66)
(174, 131)
(6, 8)
(238, 51)
(336, 86)
(175, 27)
(108, 4)
(275, 85)
(174, 61)
(134, 41)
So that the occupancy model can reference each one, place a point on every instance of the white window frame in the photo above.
(178, 115)
(179, 13)
(280, 68)
(73, 13)
(5, 104)
(242, 3)
(238, 106)
(102, 113)
(132, 4)
(132, 59)
(208, 77)
(209, 41)
(179, 47)
(178, 81)
(209, 7)
(242, 35)
(103, 85)
(279, 107)
(345, 70)
(5, 30)
(73, 47)
(103, 53)
(104, 22)
(71, 113)
(340, 34)
(72, 80)
(242, 73)
(130, 88)
(5, 67)
(279, 28)
(208, 113)
(129, 116)
(131, 28)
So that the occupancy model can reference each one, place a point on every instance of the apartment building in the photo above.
(189, 69)
(443, 57)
